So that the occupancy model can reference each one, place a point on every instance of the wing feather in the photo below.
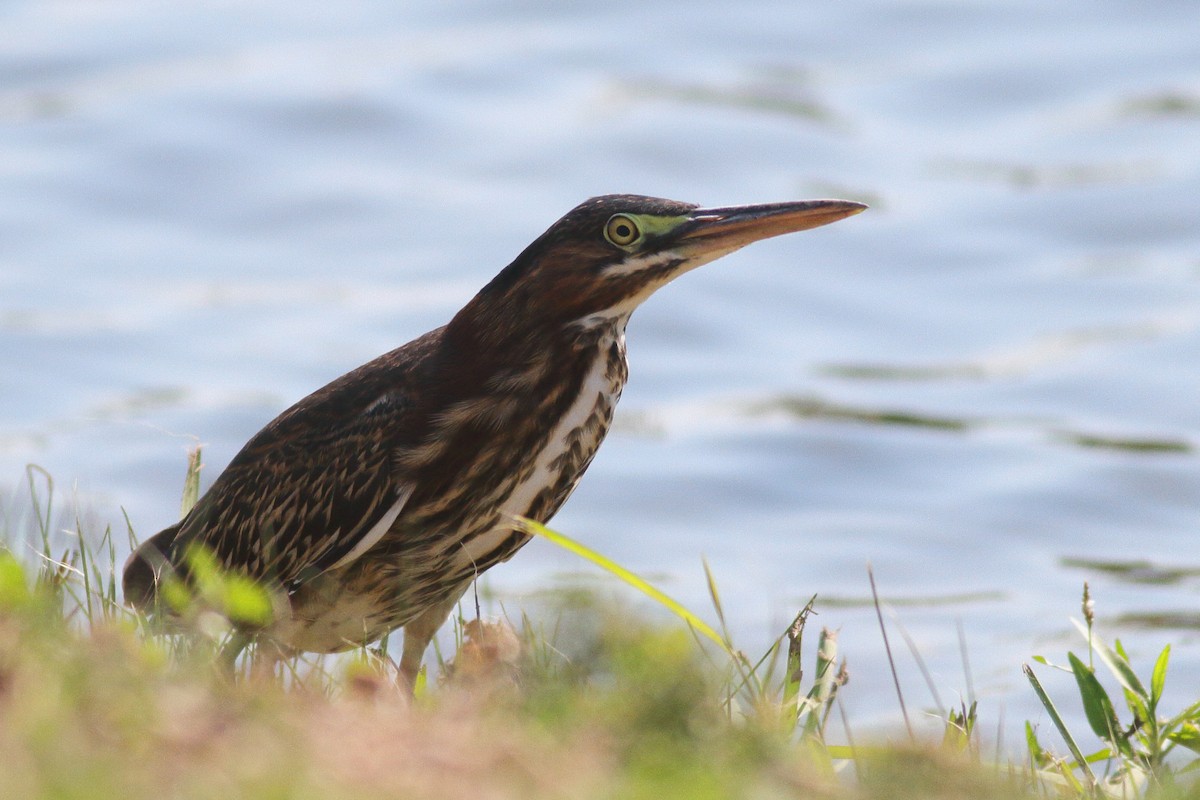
(322, 483)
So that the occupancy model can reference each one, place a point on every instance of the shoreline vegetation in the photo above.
(592, 702)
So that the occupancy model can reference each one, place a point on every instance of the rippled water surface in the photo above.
(986, 386)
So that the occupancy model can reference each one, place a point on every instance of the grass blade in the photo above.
(637, 582)
(888, 649)
(1188, 735)
(1097, 706)
(1159, 677)
(716, 599)
(824, 684)
(1057, 719)
(794, 667)
(1117, 664)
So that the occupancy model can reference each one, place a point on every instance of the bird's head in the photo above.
(607, 255)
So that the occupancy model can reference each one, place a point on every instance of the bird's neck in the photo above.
(497, 334)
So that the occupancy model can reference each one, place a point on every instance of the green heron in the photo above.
(373, 503)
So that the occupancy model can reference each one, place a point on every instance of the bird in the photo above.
(373, 503)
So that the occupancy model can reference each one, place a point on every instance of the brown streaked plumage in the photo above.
(374, 502)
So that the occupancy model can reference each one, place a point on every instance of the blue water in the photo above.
(985, 386)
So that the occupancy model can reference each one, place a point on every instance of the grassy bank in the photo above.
(591, 703)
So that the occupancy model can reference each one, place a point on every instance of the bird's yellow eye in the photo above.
(622, 230)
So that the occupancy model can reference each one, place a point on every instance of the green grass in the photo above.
(587, 701)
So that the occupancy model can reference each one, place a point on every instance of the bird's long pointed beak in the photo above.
(726, 229)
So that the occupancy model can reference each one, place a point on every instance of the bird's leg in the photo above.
(265, 658)
(418, 633)
(262, 659)
(228, 654)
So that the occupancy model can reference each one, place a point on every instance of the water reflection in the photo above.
(952, 600)
(1163, 104)
(806, 408)
(789, 94)
(1183, 620)
(1041, 352)
(1135, 571)
(1132, 445)
(815, 408)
